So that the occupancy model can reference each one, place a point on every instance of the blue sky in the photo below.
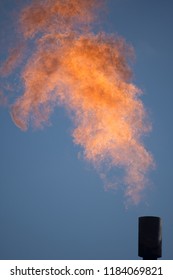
(53, 204)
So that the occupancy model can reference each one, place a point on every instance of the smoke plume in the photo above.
(88, 73)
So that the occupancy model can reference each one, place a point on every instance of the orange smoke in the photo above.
(13, 59)
(88, 74)
(3, 99)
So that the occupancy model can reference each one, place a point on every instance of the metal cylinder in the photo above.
(150, 237)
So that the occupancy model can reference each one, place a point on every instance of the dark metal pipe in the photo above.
(150, 237)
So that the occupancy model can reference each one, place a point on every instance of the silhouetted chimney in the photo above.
(150, 238)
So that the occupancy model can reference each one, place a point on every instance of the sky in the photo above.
(53, 204)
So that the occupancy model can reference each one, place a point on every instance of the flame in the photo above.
(88, 74)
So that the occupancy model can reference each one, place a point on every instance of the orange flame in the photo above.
(87, 73)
